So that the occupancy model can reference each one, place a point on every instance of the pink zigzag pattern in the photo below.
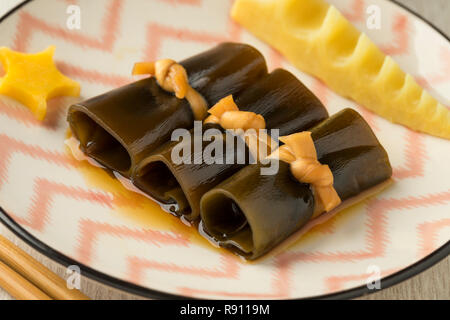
(415, 155)
(10, 146)
(357, 11)
(25, 117)
(45, 190)
(22, 115)
(29, 24)
(91, 230)
(376, 238)
(93, 75)
(401, 43)
(228, 268)
(71, 70)
(337, 283)
(428, 233)
(156, 33)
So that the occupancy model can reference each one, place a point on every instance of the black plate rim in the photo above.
(386, 282)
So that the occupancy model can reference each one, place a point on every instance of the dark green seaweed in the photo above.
(121, 127)
(284, 102)
(250, 213)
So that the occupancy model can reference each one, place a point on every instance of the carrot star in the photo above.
(32, 79)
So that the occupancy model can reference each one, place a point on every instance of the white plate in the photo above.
(75, 215)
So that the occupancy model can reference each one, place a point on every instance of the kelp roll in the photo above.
(120, 127)
(284, 102)
(250, 213)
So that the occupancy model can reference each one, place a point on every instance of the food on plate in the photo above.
(318, 39)
(214, 173)
(250, 213)
(33, 78)
(282, 102)
(121, 127)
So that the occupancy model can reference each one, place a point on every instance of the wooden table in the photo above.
(433, 283)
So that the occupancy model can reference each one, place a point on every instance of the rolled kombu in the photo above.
(284, 102)
(250, 213)
(122, 126)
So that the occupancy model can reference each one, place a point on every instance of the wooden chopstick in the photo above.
(31, 270)
(19, 287)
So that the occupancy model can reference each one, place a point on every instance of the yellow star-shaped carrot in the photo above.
(32, 79)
